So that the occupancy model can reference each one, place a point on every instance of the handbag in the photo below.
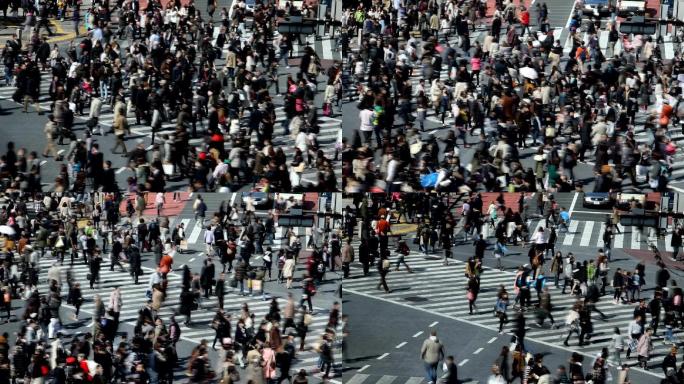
(633, 345)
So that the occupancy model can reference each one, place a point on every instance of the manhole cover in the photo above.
(415, 299)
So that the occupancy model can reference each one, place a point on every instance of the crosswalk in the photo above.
(435, 288)
(134, 297)
(585, 233)
(195, 229)
(325, 46)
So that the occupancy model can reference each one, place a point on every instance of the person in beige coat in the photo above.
(157, 297)
(432, 352)
(288, 270)
(644, 347)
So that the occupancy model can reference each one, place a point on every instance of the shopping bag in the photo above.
(632, 345)
(184, 245)
(168, 169)
(257, 285)
(327, 109)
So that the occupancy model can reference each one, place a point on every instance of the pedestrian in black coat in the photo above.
(220, 289)
(207, 277)
(450, 372)
(135, 262)
(95, 263)
(187, 303)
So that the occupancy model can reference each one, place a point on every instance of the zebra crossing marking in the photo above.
(134, 297)
(570, 235)
(586, 234)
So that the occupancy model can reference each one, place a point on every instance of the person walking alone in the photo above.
(432, 352)
(473, 290)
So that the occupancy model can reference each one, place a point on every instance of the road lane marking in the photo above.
(574, 201)
(386, 379)
(493, 339)
(433, 324)
(401, 345)
(599, 242)
(586, 233)
(418, 334)
(191, 260)
(383, 356)
(570, 234)
(357, 379)
(478, 351)
(636, 238)
(619, 238)
(462, 363)
(363, 368)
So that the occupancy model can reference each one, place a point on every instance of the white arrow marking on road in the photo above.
(195, 232)
(462, 363)
(185, 223)
(418, 334)
(383, 356)
(401, 345)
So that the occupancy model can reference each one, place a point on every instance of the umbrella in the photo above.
(529, 73)
(7, 230)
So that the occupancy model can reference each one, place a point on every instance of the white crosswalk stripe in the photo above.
(134, 297)
(590, 234)
(421, 291)
(361, 378)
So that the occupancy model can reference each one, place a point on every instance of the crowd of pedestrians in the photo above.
(210, 99)
(441, 110)
(103, 231)
(526, 300)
